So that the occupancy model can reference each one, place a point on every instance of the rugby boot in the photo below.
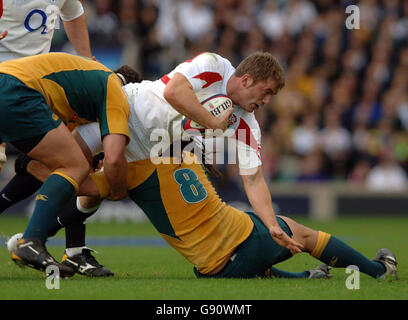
(320, 272)
(389, 261)
(85, 263)
(31, 252)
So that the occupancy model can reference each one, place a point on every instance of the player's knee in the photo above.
(79, 170)
(309, 238)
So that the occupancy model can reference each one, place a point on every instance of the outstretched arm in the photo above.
(258, 195)
(77, 33)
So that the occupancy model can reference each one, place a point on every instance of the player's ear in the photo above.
(247, 80)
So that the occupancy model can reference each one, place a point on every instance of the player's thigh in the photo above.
(59, 150)
(302, 234)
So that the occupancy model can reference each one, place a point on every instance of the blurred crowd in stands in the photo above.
(343, 114)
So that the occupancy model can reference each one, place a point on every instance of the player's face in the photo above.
(256, 94)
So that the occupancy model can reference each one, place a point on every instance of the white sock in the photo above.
(85, 210)
(74, 251)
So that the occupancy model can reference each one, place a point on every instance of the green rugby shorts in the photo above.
(24, 113)
(253, 257)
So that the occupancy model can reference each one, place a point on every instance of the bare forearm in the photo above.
(115, 174)
(259, 197)
(115, 165)
(77, 33)
(180, 95)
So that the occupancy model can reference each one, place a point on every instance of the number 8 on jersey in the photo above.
(191, 189)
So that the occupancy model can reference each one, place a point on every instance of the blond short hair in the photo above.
(262, 66)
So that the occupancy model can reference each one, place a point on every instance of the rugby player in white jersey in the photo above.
(28, 26)
(252, 85)
(163, 103)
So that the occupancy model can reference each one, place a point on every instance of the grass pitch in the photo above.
(158, 272)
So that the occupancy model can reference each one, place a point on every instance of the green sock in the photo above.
(277, 273)
(338, 254)
(53, 194)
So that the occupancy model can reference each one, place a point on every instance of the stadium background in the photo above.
(334, 139)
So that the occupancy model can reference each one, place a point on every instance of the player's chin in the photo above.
(252, 107)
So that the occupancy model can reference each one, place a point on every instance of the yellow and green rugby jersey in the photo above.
(184, 207)
(78, 90)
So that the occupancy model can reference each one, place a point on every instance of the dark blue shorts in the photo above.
(253, 257)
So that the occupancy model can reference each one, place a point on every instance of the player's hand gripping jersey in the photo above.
(32, 22)
(208, 74)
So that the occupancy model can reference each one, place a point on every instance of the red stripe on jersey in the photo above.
(244, 134)
(209, 78)
(1, 9)
(165, 79)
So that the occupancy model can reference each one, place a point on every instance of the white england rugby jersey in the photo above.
(31, 24)
(208, 74)
(152, 119)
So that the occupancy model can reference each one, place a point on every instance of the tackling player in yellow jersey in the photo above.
(27, 29)
(42, 96)
(219, 240)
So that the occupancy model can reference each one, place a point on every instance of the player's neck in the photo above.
(233, 87)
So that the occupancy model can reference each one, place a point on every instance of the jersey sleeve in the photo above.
(116, 117)
(242, 145)
(203, 70)
(248, 140)
(71, 10)
(248, 158)
(247, 135)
